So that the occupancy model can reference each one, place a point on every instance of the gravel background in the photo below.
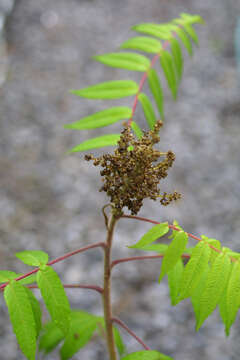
(49, 201)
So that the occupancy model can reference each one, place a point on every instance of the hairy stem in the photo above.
(125, 327)
(107, 291)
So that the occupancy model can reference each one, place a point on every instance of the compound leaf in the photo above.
(22, 318)
(137, 130)
(81, 330)
(156, 89)
(101, 118)
(148, 110)
(109, 90)
(98, 142)
(153, 234)
(214, 287)
(143, 43)
(174, 278)
(194, 269)
(173, 253)
(54, 297)
(33, 257)
(125, 60)
(147, 355)
(166, 61)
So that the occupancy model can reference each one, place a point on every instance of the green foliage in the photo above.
(171, 61)
(146, 355)
(54, 297)
(152, 235)
(33, 257)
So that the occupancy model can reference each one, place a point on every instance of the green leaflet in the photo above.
(22, 318)
(152, 235)
(36, 310)
(195, 298)
(152, 29)
(191, 32)
(167, 64)
(143, 43)
(119, 342)
(156, 89)
(148, 110)
(6, 275)
(50, 337)
(81, 330)
(194, 269)
(191, 19)
(125, 60)
(174, 277)
(232, 296)
(177, 57)
(214, 287)
(159, 248)
(147, 355)
(54, 297)
(136, 129)
(185, 39)
(101, 118)
(28, 280)
(173, 253)
(109, 90)
(98, 142)
(33, 257)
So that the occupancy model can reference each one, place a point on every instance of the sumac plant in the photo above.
(204, 271)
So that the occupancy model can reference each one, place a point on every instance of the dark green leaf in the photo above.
(147, 355)
(125, 60)
(173, 253)
(136, 129)
(156, 90)
(168, 68)
(33, 257)
(152, 235)
(98, 142)
(109, 90)
(22, 318)
(148, 110)
(101, 118)
(143, 43)
(54, 297)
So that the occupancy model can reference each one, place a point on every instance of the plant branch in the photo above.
(61, 258)
(75, 286)
(170, 227)
(106, 295)
(125, 327)
(145, 257)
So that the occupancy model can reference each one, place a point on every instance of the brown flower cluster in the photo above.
(133, 172)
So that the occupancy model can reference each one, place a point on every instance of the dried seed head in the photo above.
(132, 173)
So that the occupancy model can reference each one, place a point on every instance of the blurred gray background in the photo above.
(50, 200)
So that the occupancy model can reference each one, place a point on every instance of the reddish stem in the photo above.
(143, 79)
(85, 248)
(125, 327)
(145, 257)
(75, 286)
(170, 227)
